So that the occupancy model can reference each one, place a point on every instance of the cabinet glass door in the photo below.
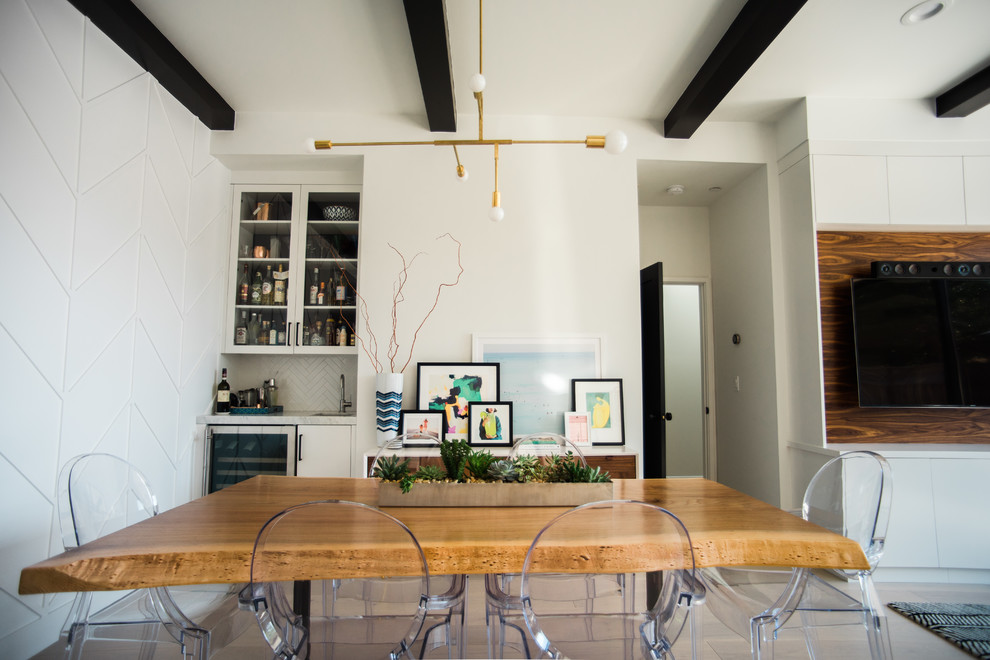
(261, 243)
(330, 266)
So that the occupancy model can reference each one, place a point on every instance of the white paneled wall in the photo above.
(113, 223)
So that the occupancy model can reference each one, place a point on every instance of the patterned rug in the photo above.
(966, 626)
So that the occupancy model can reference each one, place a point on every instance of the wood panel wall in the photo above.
(842, 256)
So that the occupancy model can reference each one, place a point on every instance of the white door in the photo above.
(684, 379)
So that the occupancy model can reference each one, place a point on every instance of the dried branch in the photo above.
(370, 347)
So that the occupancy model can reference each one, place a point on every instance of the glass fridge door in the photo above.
(236, 453)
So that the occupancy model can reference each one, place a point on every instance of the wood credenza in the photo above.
(619, 466)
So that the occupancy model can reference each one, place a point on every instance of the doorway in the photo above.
(678, 428)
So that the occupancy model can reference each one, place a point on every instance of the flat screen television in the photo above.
(922, 342)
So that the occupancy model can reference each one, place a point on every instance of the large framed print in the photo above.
(602, 398)
(536, 373)
(449, 387)
(490, 423)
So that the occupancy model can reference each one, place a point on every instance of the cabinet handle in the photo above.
(297, 333)
(299, 448)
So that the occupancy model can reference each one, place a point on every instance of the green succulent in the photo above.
(430, 473)
(503, 470)
(390, 468)
(578, 473)
(478, 463)
(556, 468)
(528, 468)
(454, 454)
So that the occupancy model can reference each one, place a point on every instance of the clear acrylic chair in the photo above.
(640, 616)
(503, 605)
(850, 495)
(446, 609)
(99, 494)
(350, 617)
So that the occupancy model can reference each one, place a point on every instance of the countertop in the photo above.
(301, 417)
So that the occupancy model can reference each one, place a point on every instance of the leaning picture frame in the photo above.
(536, 371)
(577, 427)
(418, 424)
(602, 399)
(448, 388)
(490, 423)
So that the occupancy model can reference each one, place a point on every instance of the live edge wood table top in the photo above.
(210, 540)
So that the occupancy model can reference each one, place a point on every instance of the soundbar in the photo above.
(931, 269)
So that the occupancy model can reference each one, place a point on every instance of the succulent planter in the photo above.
(431, 493)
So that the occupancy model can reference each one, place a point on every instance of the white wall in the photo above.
(113, 218)
(742, 297)
(678, 236)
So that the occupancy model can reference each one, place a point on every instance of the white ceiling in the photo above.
(589, 58)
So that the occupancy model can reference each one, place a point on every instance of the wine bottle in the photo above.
(223, 394)
(321, 297)
(278, 296)
(243, 287)
(254, 329)
(256, 288)
(267, 287)
(241, 331)
(340, 291)
(314, 286)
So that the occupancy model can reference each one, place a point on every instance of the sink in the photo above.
(333, 414)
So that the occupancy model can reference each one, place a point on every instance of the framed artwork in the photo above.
(536, 372)
(490, 423)
(576, 428)
(601, 398)
(448, 388)
(423, 422)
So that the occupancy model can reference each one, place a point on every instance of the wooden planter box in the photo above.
(492, 494)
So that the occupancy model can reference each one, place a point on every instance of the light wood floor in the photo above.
(909, 641)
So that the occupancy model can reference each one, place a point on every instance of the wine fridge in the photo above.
(236, 453)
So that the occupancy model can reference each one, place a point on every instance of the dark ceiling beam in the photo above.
(965, 98)
(757, 25)
(427, 21)
(138, 37)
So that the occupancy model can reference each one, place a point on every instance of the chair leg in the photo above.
(762, 635)
(876, 620)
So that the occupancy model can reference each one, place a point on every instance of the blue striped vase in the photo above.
(388, 403)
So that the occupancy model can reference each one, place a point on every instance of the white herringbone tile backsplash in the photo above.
(304, 382)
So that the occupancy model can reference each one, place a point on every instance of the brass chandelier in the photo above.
(614, 142)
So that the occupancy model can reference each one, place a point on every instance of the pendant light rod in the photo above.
(591, 141)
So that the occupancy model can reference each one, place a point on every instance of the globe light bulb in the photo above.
(496, 214)
(311, 145)
(477, 83)
(462, 173)
(615, 142)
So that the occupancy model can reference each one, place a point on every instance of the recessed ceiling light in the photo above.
(676, 189)
(924, 11)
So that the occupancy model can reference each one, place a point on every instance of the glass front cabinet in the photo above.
(293, 279)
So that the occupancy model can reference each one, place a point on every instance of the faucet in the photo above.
(344, 403)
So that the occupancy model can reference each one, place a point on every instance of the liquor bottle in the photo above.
(342, 335)
(272, 335)
(241, 331)
(340, 291)
(223, 394)
(256, 288)
(254, 329)
(316, 336)
(243, 287)
(321, 297)
(305, 341)
(314, 287)
(265, 335)
(267, 287)
(281, 334)
(278, 296)
(330, 332)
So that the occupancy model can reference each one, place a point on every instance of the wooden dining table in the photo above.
(210, 540)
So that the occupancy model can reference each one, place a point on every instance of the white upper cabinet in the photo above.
(850, 189)
(926, 190)
(293, 269)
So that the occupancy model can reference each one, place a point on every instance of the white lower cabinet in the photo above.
(324, 451)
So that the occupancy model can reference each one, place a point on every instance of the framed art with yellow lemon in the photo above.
(601, 398)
